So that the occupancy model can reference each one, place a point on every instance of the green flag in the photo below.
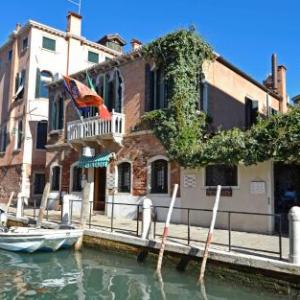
(89, 81)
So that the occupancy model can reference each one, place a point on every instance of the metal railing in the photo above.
(189, 238)
(189, 211)
(95, 127)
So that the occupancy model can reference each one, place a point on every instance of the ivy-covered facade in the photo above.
(184, 115)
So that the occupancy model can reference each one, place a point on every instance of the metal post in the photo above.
(71, 214)
(34, 208)
(154, 228)
(280, 237)
(137, 220)
(112, 216)
(189, 226)
(90, 217)
(47, 210)
(22, 208)
(229, 230)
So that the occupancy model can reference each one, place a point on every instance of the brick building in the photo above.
(33, 56)
(126, 156)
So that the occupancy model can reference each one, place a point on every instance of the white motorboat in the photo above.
(26, 239)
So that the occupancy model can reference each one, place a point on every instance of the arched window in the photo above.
(43, 78)
(41, 135)
(57, 113)
(76, 174)
(124, 177)
(159, 176)
(55, 178)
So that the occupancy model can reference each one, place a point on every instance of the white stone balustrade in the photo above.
(95, 127)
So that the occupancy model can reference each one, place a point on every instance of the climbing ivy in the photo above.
(179, 127)
(183, 130)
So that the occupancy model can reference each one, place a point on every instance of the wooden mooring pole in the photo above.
(166, 230)
(210, 234)
(43, 204)
(85, 209)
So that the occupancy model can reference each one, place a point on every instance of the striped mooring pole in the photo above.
(166, 230)
(210, 234)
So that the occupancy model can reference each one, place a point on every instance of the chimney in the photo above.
(74, 23)
(135, 44)
(274, 72)
(281, 73)
(18, 27)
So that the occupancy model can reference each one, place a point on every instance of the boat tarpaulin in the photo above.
(98, 161)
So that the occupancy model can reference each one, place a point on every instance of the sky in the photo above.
(245, 32)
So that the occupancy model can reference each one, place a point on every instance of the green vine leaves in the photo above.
(183, 130)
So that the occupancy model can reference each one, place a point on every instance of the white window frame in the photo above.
(117, 176)
(149, 162)
(51, 38)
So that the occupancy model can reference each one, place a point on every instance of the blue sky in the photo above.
(245, 32)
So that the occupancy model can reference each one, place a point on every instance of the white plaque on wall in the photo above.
(257, 187)
(110, 181)
(189, 181)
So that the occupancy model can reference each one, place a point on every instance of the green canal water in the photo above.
(95, 274)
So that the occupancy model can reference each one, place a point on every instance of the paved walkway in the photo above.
(241, 242)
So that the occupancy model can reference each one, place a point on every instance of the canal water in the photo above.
(95, 274)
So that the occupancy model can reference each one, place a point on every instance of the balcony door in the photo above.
(100, 187)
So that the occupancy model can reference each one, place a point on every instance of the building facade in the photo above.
(34, 56)
(127, 162)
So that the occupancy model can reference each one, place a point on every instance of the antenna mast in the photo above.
(77, 3)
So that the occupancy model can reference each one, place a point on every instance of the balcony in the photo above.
(96, 129)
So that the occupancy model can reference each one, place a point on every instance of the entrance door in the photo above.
(100, 184)
(287, 190)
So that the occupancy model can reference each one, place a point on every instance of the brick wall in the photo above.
(10, 178)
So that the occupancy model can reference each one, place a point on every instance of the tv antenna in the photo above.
(77, 3)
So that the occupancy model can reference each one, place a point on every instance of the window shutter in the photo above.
(17, 82)
(37, 83)
(61, 113)
(147, 87)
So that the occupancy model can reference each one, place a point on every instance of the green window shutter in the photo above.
(17, 82)
(49, 44)
(93, 57)
(61, 114)
(37, 83)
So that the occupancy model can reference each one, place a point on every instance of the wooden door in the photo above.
(100, 187)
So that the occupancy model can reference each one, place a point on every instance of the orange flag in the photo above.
(85, 97)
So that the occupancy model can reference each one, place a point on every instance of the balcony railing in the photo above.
(94, 127)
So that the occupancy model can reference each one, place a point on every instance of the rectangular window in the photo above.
(25, 44)
(124, 177)
(19, 135)
(9, 55)
(39, 183)
(55, 182)
(3, 139)
(49, 44)
(273, 112)
(157, 89)
(221, 175)
(251, 112)
(76, 180)
(41, 138)
(159, 177)
(19, 85)
(93, 57)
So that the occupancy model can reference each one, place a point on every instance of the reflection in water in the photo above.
(93, 274)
